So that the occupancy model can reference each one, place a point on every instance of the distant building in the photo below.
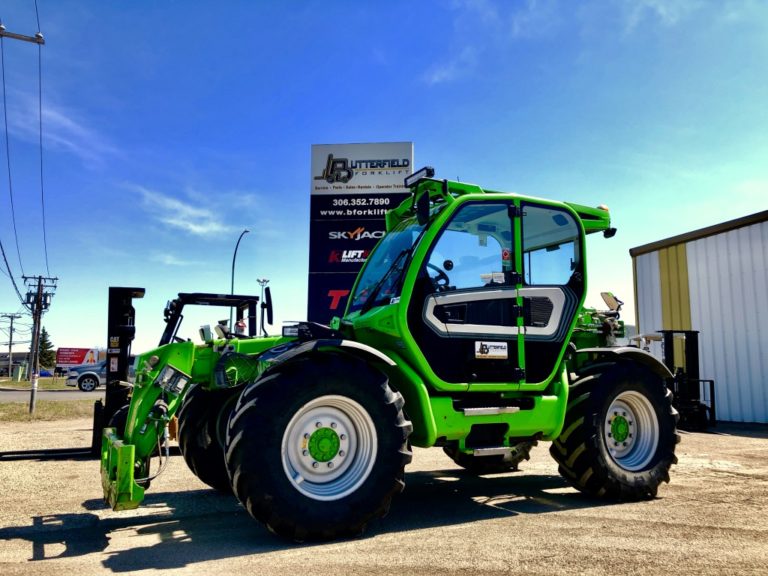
(714, 280)
(18, 359)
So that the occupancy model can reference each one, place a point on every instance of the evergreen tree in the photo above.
(47, 353)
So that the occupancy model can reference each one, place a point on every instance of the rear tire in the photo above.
(496, 464)
(202, 427)
(619, 436)
(317, 447)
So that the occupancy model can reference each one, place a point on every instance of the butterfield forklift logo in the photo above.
(336, 170)
(343, 169)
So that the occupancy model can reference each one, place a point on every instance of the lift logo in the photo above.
(358, 233)
(348, 256)
(491, 351)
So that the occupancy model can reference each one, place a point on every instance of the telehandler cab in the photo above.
(465, 330)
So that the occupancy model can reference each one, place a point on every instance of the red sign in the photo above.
(74, 356)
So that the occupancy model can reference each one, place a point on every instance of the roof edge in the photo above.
(700, 233)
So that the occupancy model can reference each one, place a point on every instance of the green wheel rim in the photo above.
(631, 430)
(329, 448)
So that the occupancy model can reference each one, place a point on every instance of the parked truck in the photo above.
(465, 330)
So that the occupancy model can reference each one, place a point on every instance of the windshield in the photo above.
(381, 276)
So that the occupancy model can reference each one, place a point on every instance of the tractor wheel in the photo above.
(202, 426)
(317, 447)
(496, 464)
(619, 436)
(88, 383)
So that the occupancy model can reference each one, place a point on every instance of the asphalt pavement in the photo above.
(11, 394)
(712, 518)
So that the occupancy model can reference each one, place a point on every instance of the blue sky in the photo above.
(169, 127)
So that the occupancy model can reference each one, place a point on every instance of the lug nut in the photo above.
(343, 437)
(315, 464)
(341, 453)
(330, 464)
(318, 424)
(304, 453)
(333, 424)
(306, 436)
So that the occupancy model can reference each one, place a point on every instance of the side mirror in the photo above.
(266, 306)
(613, 303)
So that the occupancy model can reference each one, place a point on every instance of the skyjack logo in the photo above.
(347, 256)
(359, 233)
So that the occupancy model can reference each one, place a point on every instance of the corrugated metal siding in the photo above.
(648, 298)
(728, 275)
(675, 302)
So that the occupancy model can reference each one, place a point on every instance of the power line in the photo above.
(10, 275)
(40, 117)
(8, 150)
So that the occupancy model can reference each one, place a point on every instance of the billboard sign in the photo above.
(352, 187)
(66, 357)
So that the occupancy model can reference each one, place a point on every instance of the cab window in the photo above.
(550, 246)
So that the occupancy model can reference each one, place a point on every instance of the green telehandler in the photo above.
(465, 330)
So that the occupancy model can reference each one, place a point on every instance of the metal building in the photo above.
(714, 280)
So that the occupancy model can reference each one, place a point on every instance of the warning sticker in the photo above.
(491, 351)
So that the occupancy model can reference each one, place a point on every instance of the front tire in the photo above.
(317, 447)
(88, 383)
(619, 434)
(202, 427)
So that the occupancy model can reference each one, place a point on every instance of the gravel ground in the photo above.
(711, 519)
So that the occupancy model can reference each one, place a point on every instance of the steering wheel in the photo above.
(440, 281)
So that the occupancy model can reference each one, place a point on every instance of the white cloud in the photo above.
(173, 212)
(456, 68)
(171, 260)
(667, 12)
(485, 26)
(61, 129)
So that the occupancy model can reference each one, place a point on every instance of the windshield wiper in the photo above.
(369, 302)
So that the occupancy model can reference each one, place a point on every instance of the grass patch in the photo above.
(46, 410)
(58, 383)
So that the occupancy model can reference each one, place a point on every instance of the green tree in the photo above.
(47, 353)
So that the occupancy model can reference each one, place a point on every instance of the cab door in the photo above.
(473, 311)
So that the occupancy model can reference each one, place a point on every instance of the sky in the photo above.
(169, 127)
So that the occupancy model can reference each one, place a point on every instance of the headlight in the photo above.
(172, 380)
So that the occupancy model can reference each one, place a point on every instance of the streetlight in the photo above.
(232, 286)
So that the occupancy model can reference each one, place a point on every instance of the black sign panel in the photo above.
(328, 295)
(353, 186)
(342, 245)
(345, 206)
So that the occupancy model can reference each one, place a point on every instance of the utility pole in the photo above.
(38, 301)
(10, 317)
(36, 39)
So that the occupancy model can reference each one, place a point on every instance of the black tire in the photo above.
(619, 436)
(495, 464)
(202, 427)
(88, 383)
(305, 486)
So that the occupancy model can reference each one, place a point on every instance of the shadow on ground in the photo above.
(205, 525)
